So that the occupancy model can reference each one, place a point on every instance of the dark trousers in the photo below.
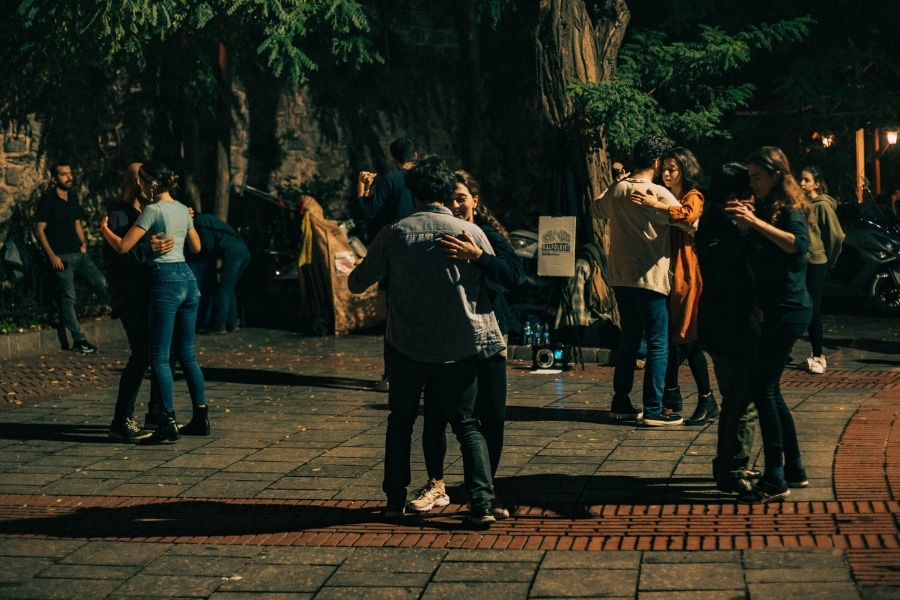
(135, 318)
(490, 410)
(737, 420)
(696, 360)
(815, 285)
(452, 389)
(776, 424)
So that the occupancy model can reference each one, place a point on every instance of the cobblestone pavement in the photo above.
(284, 499)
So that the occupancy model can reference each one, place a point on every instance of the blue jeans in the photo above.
(452, 388)
(233, 265)
(174, 316)
(779, 435)
(80, 263)
(643, 314)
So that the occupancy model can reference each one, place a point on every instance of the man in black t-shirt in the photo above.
(59, 231)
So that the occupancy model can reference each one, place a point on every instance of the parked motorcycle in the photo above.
(869, 263)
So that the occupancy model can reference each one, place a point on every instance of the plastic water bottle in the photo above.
(527, 334)
(545, 336)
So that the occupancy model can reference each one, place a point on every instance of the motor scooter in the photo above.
(869, 264)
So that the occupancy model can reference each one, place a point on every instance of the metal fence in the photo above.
(28, 289)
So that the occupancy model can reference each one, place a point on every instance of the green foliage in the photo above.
(492, 10)
(680, 89)
(853, 83)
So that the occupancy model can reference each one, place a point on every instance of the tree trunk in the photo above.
(192, 163)
(573, 46)
(223, 137)
(471, 89)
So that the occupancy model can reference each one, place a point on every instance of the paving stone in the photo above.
(789, 559)
(500, 591)
(194, 565)
(691, 557)
(369, 593)
(291, 555)
(278, 578)
(63, 571)
(787, 590)
(592, 560)
(578, 583)
(168, 586)
(691, 576)
(502, 572)
(45, 588)
(22, 568)
(365, 579)
(115, 553)
(397, 560)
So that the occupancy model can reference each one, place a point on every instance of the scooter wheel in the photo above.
(886, 298)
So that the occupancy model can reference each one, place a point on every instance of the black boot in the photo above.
(199, 424)
(167, 432)
(156, 414)
(706, 409)
(672, 399)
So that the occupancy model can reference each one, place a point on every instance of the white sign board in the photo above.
(556, 246)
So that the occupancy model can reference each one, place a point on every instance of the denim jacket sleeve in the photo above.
(374, 266)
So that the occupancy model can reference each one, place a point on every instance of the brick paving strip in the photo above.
(861, 521)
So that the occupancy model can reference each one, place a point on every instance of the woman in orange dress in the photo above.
(681, 174)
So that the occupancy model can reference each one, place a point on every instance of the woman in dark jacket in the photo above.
(778, 227)
(502, 271)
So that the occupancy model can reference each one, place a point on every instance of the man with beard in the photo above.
(59, 231)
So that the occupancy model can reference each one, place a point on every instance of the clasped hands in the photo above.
(462, 247)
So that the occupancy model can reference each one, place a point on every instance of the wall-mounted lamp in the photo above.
(891, 135)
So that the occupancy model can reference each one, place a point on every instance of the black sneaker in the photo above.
(663, 419)
(83, 346)
(764, 493)
(394, 511)
(481, 518)
(622, 410)
(127, 431)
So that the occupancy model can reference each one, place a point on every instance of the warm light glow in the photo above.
(827, 140)
(891, 136)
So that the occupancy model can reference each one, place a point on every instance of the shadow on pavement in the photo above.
(879, 346)
(572, 496)
(550, 413)
(55, 432)
(186, 518)
(260, 377)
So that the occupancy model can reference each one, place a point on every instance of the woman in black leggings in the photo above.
(778, 230)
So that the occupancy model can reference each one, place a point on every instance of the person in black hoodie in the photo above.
(727, 325)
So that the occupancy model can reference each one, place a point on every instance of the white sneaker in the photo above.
(428, 497)
(816, 364)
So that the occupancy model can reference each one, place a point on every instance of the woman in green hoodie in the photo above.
(825, 240)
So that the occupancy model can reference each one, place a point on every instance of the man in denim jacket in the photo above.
(440, 320)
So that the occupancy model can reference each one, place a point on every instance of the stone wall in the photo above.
(19, 170)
